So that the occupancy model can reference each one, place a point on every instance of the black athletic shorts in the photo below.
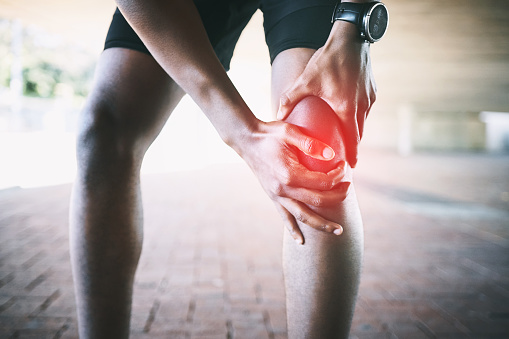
(287, 24)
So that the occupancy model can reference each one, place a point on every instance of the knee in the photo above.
(106, 141)
(318, 120)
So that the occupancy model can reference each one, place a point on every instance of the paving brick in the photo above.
(23, 306)
(424, 276)
(275, 318)
(35, 334)
(70, 331)
(9, 324)
(63, 306)
(40, 327)
(169, 327)
(213, 325)
(250, 332)
(177, 334)
(208, 336)
(489, 328)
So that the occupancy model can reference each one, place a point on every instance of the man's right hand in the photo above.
(270, 151)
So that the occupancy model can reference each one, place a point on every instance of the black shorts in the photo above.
(287, 24)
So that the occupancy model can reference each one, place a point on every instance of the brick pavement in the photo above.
(436, 261)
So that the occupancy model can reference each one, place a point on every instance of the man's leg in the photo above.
(321, 276)
(129, 104)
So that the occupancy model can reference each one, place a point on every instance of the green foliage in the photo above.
(41, 80)
(47, 61)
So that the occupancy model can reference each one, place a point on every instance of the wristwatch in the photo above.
(371, 18)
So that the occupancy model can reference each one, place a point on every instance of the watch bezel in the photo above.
(365, 33)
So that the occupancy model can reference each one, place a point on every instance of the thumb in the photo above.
(289, 99)
(308, 145)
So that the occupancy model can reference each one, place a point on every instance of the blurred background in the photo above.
(442, 73)
(432, 183)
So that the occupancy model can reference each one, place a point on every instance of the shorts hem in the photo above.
(292, 44)
(126, 44)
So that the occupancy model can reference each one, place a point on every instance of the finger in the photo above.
(360, 123)
(318, 198)
(291, 224)
(310, 146)
(350, 130)
(290, 98)
(352, 155)
(305, 215)
(362, 114)
(303, 177)
(339, 173)
(299, 176)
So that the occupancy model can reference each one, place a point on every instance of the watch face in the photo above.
(378, 21)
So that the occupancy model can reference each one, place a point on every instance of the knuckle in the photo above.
(284, 100)
(310, 87)
(285, 177)
(327, 228)
(287, 129)
(300, 216)
(277, 189)
(317, 201)
(308, 145)
(364, 105)
(374, 88)
(326, 185)
(372, 97)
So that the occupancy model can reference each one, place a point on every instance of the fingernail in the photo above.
(338, 231)
(298, 241)
(328, 153)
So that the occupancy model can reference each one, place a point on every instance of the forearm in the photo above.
(174, 34)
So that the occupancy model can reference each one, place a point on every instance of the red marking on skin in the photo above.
(315, 118)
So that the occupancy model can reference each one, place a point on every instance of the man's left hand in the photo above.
(340, 73)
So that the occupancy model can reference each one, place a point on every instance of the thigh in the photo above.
(296, 24)
(286, 68)
(294, 30)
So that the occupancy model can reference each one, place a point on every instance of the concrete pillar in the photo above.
(497, 131)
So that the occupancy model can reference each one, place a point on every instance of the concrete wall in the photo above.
(442, 58)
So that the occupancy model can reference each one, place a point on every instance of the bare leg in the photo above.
(321, 276)
(131, 100)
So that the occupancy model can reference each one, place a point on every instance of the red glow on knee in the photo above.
(316, 119)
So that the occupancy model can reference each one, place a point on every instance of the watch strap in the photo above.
(348, 11)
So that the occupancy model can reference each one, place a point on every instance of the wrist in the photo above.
(243, 137)
(345, 31)
(233, 119)
(345, 35)
(371, 18)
